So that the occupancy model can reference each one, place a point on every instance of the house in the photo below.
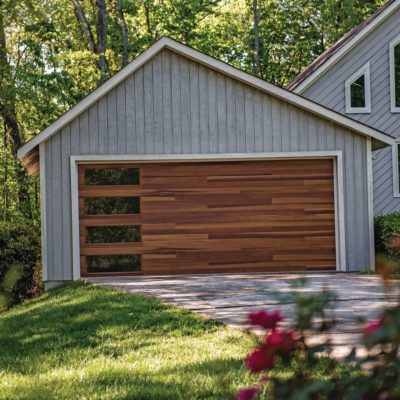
(181, 163)
(360, 77)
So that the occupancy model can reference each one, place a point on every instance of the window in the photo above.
(112, 205)
(396, 169)
(114, 263)
(112, 234)
(111, 176)
(358, 92)
(394, 51)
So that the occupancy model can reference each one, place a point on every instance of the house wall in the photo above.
(175, 106)
(329, 90)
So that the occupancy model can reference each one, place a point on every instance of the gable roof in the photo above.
(28, 151)
(341, 48)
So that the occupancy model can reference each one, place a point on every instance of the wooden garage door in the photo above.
(172, 218)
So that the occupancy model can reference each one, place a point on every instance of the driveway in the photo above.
(229, 297)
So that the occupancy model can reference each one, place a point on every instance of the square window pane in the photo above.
(111, 176)
(115, 263)
(358, 93)
(113, 234)
(112, 205)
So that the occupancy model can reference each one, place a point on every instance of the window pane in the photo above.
(113, 234)
(358, 93)
(112, 205)
(111, 176)
(117, 263)
(397, 74)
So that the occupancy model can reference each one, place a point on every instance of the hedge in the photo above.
(386, 227)
(20, 251)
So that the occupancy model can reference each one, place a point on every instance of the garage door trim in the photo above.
(338, 186)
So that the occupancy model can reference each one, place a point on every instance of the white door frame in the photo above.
(225, 157)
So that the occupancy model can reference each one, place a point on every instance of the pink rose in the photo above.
(265, 319)
(259, 360)
(247, 393)
(281, 341)
(373, 326)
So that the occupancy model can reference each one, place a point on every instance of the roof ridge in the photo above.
(342, 41)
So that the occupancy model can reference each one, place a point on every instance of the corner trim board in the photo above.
(43, 210)
(370, 188)
(338, 186)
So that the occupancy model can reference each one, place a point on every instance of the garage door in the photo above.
(172, 218)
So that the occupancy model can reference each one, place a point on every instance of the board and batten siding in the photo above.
(329, 90)
(173, 105)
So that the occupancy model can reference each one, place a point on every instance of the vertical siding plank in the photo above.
(212, 111)
(103, 125)
(285, 126)
(185, 105)
(294, 129)
(240, 119)
(49, 210)
(176, 105)
(203, 99)
(112, 122)
(139, 112)
(267, 123)
(221, 115)
(194, 108)
(148, 108)
(249, 118)
(167, 101)
(66, 202)
(121, 118)
(258, 121)
(158, 105)
(130, 115)
(57, 219)
(276, 126)
(84, 133)
(231, 115)
(93, 130)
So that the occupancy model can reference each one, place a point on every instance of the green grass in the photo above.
(84, 342)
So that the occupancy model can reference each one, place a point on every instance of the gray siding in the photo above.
(329, 91)
(175, 106)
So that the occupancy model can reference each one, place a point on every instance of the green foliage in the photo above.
(19, 266)
(386, 226)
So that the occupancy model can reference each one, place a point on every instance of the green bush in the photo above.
(20, 250)
(386, 226)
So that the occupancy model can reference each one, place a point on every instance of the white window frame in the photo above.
(366, 71)
(392, 45)
(395, 158)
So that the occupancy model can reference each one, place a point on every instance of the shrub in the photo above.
(386, 228)
(20, 251)
(380, 379)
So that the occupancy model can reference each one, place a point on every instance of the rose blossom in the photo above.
(260, 359)
(265, 319)
(247, 393)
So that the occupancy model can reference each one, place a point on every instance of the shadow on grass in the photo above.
(77, 317)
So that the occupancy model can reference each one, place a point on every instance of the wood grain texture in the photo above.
(226, 217)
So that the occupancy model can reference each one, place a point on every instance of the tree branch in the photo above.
(81, 16)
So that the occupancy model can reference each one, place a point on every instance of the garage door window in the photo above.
(114, 263)
(111, 176)
(112, 234)
(112, 205)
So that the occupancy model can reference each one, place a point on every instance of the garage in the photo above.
(207, 217)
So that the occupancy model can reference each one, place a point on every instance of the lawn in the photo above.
(85, 342)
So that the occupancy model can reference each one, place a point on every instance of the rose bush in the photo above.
(379, 377)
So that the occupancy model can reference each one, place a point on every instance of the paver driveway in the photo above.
(229, 297)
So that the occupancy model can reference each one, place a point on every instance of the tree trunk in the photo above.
(9, 116)
(81, 16)
(102, 18)
(124, 32)
(256, 39)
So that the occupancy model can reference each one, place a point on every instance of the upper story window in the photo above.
(394, 49)
(358, 92)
